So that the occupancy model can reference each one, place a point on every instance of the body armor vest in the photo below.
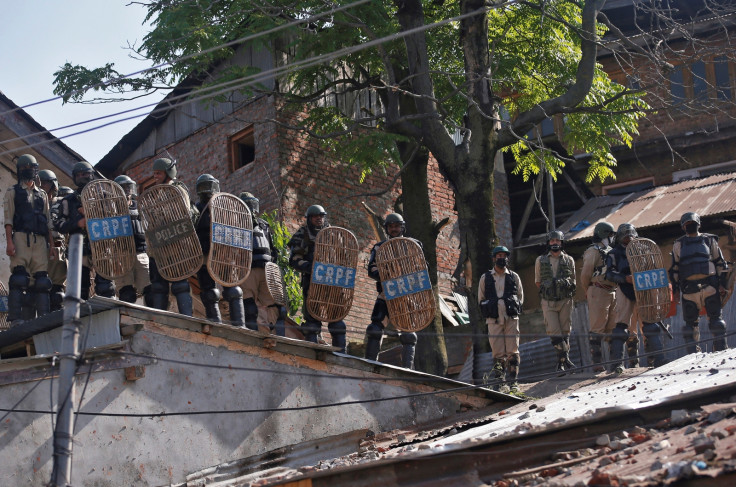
(510, 291)
(599, 271)
(619, 270)
(74, 203)
(694, 256)
(138, 234)
(203, 227)
(261, 245)
(29, 216)
(558, 290)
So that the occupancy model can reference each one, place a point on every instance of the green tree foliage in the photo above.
(281, 237)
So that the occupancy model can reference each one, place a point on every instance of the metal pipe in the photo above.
(67, 366)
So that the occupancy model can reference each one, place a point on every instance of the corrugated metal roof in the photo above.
(709, 196)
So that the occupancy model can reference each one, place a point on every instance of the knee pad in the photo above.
(104, 287)
(374, 330)
(717, 326)
(380, 310)
(408, 338)
(19, 279)
(127, 294)
(180, 287)
(160, 287)
(690, 311)
(57, 296)
(514, 361)
(42, 283)
(621, 332)
(230, 293)
(337, 328)
(209, 296)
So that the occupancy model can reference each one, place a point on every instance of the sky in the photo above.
(39, 36)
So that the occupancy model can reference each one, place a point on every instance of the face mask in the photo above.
(555, 247)
(691, 227)
(502, 262)
(606, 242)
(27, 174)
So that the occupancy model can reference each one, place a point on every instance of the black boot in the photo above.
(596, 351)
(653, 344)
(691, 335)
(250, 314)
(234, 298)
(337, 331)
(498, 373)
(632, 350)
(409, 341)
(373, 339)
(618, 342)
(512, 373)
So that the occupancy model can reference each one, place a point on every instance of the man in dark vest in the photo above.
(501, 296)
(301, 256)
(600, 292)
(137, 280)
(29, 244)
(395, 226)
(206, 186)
(57, 264)
(164, 172)
(260, 308)
(618, 270)
(554, 275)
(700, 274)
(72, 220)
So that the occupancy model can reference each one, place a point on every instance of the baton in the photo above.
(666, 330)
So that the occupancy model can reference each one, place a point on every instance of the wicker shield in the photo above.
(109, 228)
(406, 285)
(275, 283)
(729, 286)
(170, 235)
(332, 283)
(651, 284)
(4, 325)
(231, 232)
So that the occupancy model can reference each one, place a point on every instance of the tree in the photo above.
(488, 71)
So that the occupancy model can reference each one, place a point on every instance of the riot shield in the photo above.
(109, 228)
(332, 283)
(170, 235)
(4, 325)
(406, 285)
(651, 284)
(231, 233)
(275, 283)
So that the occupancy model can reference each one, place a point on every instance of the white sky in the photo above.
(39, 36)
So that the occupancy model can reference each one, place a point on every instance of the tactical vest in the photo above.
(138, 234)
(558, 291)
(694, 256)
(29, 216)
(599, 271)
(74, 203)
(261, 246)
(513, 307)
(203, 227)
(619, 264)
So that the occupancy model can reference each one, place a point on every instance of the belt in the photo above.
(603, 286)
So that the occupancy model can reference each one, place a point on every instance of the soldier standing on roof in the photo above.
(301, 255)
(29, 244)
(600, 292)
(700, 273)
(58, 264)
(501, 296)
(395, 226)
(164, 172)
(137, 280)
(554, 275)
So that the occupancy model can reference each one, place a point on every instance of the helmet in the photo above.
(48, 176)
(166, 165)
(393, 218)
(690, 216)
(499, 249)
(207, 185)
(625, 230)
(555, 234)
(128, 185)
(65, 191)
(603, 230)
(27, 167)
(315, 210)
(251, 201)
(82, 173)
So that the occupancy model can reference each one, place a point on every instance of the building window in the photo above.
(242, 149)
(701, 172)
(628, 186)
(723, 81)
(677, 85)
(700, 83)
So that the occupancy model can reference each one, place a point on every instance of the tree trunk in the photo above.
(431, 354)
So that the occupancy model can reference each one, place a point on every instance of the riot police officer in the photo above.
(501, 297)
(260, 308)
(395, 226)
(699, 273)
(164, 172)
(29, 244)
(137, 280)
(301, 255)
(58, 264)
(618, 270)
(554, 275)
(600, 292)
(207, 186)
(72, 220)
